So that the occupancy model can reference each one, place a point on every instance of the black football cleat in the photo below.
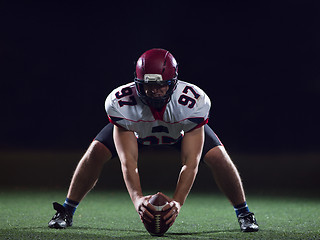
(62, 218)
(248, 222)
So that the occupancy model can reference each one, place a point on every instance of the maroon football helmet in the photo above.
(156, 66)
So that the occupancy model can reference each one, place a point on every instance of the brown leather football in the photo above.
(158, 226)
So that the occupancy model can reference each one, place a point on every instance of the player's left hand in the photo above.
(171, 216)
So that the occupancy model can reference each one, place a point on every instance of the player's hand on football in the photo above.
(143, 208)
(174, 209)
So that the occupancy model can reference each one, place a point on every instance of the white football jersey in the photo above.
(188, 109)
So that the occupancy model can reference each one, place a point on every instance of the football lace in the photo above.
(157, 222)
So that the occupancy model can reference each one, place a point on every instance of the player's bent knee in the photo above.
(98, 152)
(216, 155)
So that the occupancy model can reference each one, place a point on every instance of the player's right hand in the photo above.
(143, 207)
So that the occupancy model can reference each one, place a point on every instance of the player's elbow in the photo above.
(128, 166)
(191, 159)
(191, 166)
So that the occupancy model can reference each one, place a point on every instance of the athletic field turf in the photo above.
(111, 215)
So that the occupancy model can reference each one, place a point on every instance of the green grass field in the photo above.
(111, 215)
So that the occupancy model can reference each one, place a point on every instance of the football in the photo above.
(158, 226)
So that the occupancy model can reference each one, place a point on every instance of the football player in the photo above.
(157, 109)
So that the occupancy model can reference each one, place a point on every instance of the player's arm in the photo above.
(191, 150)
(127, 148)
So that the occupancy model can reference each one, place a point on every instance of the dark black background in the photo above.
(257, 60)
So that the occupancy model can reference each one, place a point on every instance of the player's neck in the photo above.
(158, 112)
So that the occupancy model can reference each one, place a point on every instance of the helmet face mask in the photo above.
(156, 68)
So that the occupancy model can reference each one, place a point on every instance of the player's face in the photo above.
(155, 90)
